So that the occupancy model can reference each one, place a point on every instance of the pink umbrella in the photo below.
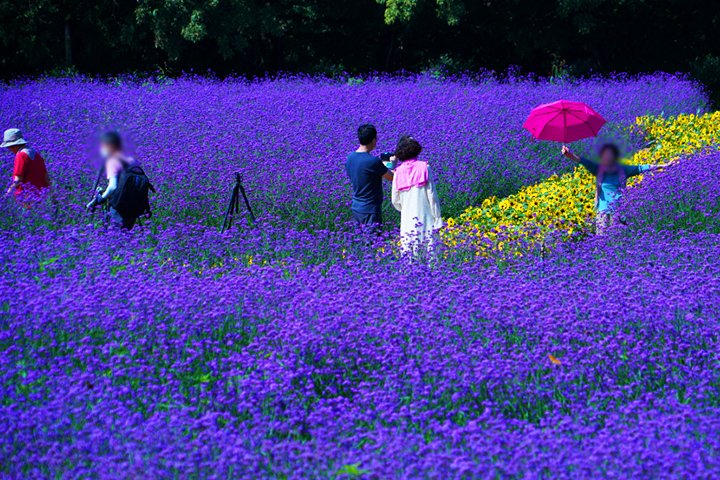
(564, 121)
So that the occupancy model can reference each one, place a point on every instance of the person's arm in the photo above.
(379, 169)
(396, 200)
(389, 175)
(434, 202)
(659, 166)
(633, 170)
(101, 197)
(112, 186)
(567, 153)
(19, 170)
(17, 180)
(591, 167)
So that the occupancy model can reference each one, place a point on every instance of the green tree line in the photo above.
(255, 37)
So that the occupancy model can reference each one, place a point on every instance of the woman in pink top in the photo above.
(414, 195)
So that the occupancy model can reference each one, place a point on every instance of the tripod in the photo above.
(234, 206)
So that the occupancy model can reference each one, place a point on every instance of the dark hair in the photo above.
(112, 138)
(613, 149)
(407, 148)
(366, 134)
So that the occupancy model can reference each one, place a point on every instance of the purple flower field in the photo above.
(290, 137)
(682, 200)
(277, 350)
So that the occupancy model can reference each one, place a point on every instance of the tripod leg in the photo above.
(236, 209)
(247, 203)
(227, 221)
(237, 201)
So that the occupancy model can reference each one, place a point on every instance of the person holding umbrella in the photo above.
(611, 178)
(565, 121)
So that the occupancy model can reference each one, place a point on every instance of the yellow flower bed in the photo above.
(563, 205)
(675, 136)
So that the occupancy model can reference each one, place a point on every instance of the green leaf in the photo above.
(46, 263)
(351, 470)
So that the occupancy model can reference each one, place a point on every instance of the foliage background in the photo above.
(258, 37)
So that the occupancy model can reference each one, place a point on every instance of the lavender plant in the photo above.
(281, 351)
(289, 137)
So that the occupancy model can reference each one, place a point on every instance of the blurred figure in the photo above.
(611, 180)
(414, 195)
(366, 172)
(29, 172)
(127, 188)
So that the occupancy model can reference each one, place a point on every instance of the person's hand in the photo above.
(661, 166)
(569, 154)
(94, 202)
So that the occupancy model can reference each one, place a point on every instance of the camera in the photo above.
(386, 159)
(97, 200)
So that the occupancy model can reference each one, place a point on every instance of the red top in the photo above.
(30, 166)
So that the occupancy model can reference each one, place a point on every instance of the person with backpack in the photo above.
(611, 178)
(128, 187)
(29, 172)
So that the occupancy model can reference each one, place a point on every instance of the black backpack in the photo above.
(130, 198)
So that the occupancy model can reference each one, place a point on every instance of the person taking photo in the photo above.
(366, 172)
(117, 167)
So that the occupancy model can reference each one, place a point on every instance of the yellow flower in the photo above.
(565, 203)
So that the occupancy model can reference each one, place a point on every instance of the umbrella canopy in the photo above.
(564, 121)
